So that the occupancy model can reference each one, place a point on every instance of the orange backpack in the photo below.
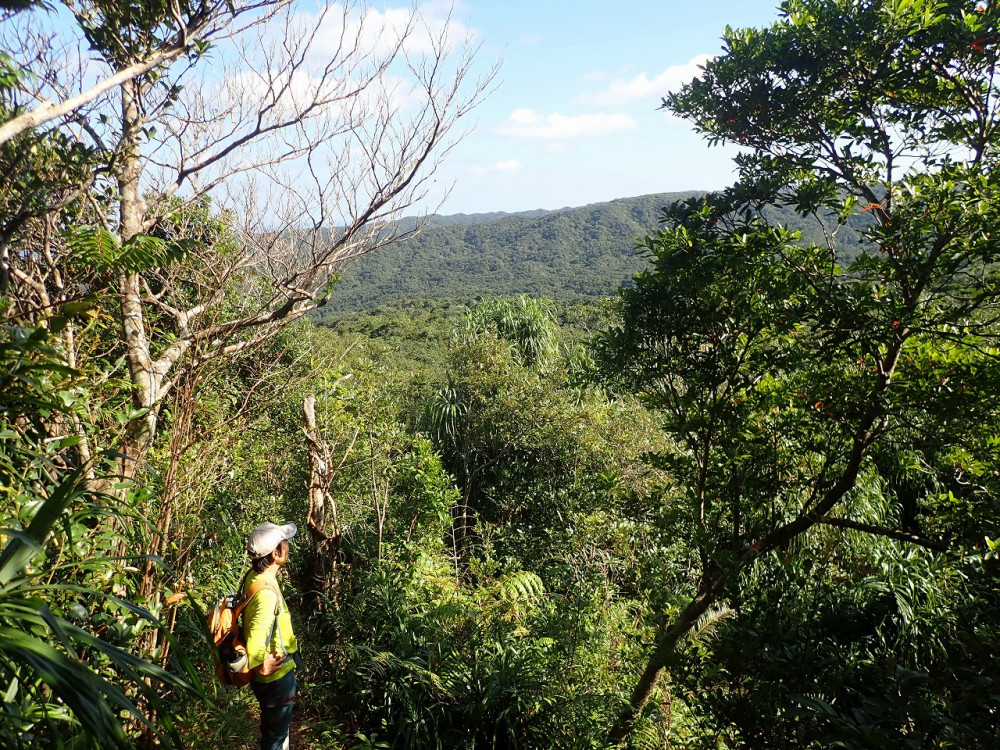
(230, 652)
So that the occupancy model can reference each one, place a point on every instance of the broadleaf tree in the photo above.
(781, 369)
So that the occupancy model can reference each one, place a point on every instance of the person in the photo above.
(272, 651)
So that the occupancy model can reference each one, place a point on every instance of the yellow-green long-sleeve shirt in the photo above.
(258, 619)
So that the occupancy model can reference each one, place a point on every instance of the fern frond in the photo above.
(92, 246)
(708, 623)
(646, 736)
(100, 250)
(142, 252)
(387, 666)
(522, 586)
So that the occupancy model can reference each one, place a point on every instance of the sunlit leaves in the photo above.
(55, 673)
(101, 250)
(526, 322)
(805, 389)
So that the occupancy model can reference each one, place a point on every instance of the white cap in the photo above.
(265, 538)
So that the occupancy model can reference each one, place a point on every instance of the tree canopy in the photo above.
(783, 371)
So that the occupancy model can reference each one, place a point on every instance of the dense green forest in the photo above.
(746, 498)
(568, 254)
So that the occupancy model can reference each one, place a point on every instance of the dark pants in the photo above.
(276, 699)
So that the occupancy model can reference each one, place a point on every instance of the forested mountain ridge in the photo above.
(585, 251)
(568, 253)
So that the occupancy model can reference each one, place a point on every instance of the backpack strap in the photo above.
(255, 588)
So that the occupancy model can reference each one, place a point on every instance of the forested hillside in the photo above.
(744, 498)
(570, 253)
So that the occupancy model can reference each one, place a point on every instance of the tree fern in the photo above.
(528, 324)
(521, 586)
(101, 250)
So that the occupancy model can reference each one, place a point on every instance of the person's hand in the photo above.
(271, 664)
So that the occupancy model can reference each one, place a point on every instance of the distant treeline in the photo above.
(563, 254)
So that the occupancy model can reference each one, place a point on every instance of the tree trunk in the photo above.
(658, 661)
(140, 429)
(716, 582)
(320, 476)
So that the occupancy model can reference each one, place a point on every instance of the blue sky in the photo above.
(575, 117)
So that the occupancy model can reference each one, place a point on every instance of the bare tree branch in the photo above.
(901, 536)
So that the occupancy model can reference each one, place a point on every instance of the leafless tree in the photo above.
(41, 100)
(267, 145)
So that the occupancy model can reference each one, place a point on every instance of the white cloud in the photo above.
(628, 90)
(329, 53)
(508, 165)
(526, 123)
(379, 32)
(505, 165)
